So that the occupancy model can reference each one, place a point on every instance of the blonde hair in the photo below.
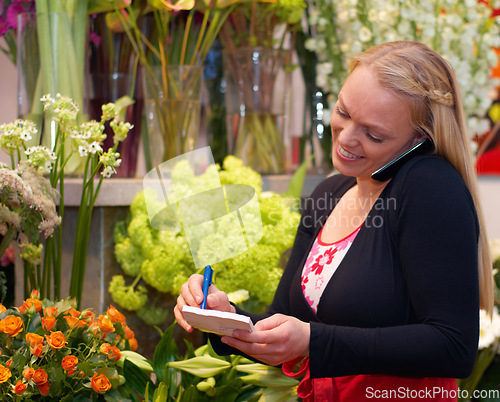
(427, 84)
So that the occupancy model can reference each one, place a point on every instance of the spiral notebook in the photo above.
(217, 322)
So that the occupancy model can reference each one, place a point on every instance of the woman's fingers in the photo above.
(276, 339)
(192, 295)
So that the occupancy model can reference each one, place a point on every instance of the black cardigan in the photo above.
(405, 299)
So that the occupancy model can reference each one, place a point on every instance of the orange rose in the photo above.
(129, 334)
(28, 303)
(11, 325)
(73, 312)
(5, 374)
(69, 362)
(105, 324)
(114, 315)
(20, 387)
(70, 320)
(56, 340)
(50, 311)
(133, 344)
(88, 315)
(44, 388)
(100, 383)
(104, 349)
(2, 308)
(114, 353)
(37, 350)
(48, 322)
(28, 373)
(40, 376)
(34, 339)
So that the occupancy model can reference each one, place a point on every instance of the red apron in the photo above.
(359, 388)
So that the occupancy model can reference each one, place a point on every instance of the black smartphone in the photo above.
(389, 170)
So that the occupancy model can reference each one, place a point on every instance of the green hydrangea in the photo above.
(164, 265)
(129, 257)
(256, 270)
(125, 296)
(163, 260)
(235, 172)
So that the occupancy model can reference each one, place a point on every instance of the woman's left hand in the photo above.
(275, 340)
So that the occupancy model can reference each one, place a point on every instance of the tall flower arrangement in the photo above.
(166, 35)
(27, 199)
(258, 39)
(462, 31)
(9, 10)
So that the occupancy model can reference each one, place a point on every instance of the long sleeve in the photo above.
(434, 231)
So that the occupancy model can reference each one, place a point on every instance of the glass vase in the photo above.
(51, 60)
(172, 97)
(256, 103)
(103, 88)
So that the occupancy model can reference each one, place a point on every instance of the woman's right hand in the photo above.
(192, 295)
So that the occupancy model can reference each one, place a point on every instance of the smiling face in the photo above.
(370, 126)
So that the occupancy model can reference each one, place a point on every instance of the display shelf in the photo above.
(119, 192)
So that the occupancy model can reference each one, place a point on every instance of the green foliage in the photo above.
(202, 375)
(162, 259)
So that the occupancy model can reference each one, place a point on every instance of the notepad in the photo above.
(217, 322)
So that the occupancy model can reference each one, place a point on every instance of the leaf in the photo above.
(161, 393)
(230, 391)
(164, 352)
(136, 358)
(297, 181)
(136, 378)
(191, 394)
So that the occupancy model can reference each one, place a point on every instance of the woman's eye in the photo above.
(341, 113)
(371, 137)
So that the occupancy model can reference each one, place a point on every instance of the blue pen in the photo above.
(207, 281)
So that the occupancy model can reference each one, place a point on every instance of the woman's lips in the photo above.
(347, 155)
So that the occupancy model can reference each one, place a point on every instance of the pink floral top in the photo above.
(322, 262)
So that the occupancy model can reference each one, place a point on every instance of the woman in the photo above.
(384, 283)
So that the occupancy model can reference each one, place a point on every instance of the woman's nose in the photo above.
(348, 135)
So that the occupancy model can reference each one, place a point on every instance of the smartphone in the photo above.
(389, 170)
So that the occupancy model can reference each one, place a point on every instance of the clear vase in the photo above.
(103, 88)
(256, 104)
(172, 97)
(51, 60)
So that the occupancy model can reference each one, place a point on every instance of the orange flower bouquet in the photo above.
(51, 351)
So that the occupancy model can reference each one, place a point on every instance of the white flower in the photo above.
(489, 328)
(83, 149)
(495, 249)
(365, 34)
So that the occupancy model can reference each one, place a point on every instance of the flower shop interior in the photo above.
(95, 102)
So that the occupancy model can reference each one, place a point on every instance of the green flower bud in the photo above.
(201, 366)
